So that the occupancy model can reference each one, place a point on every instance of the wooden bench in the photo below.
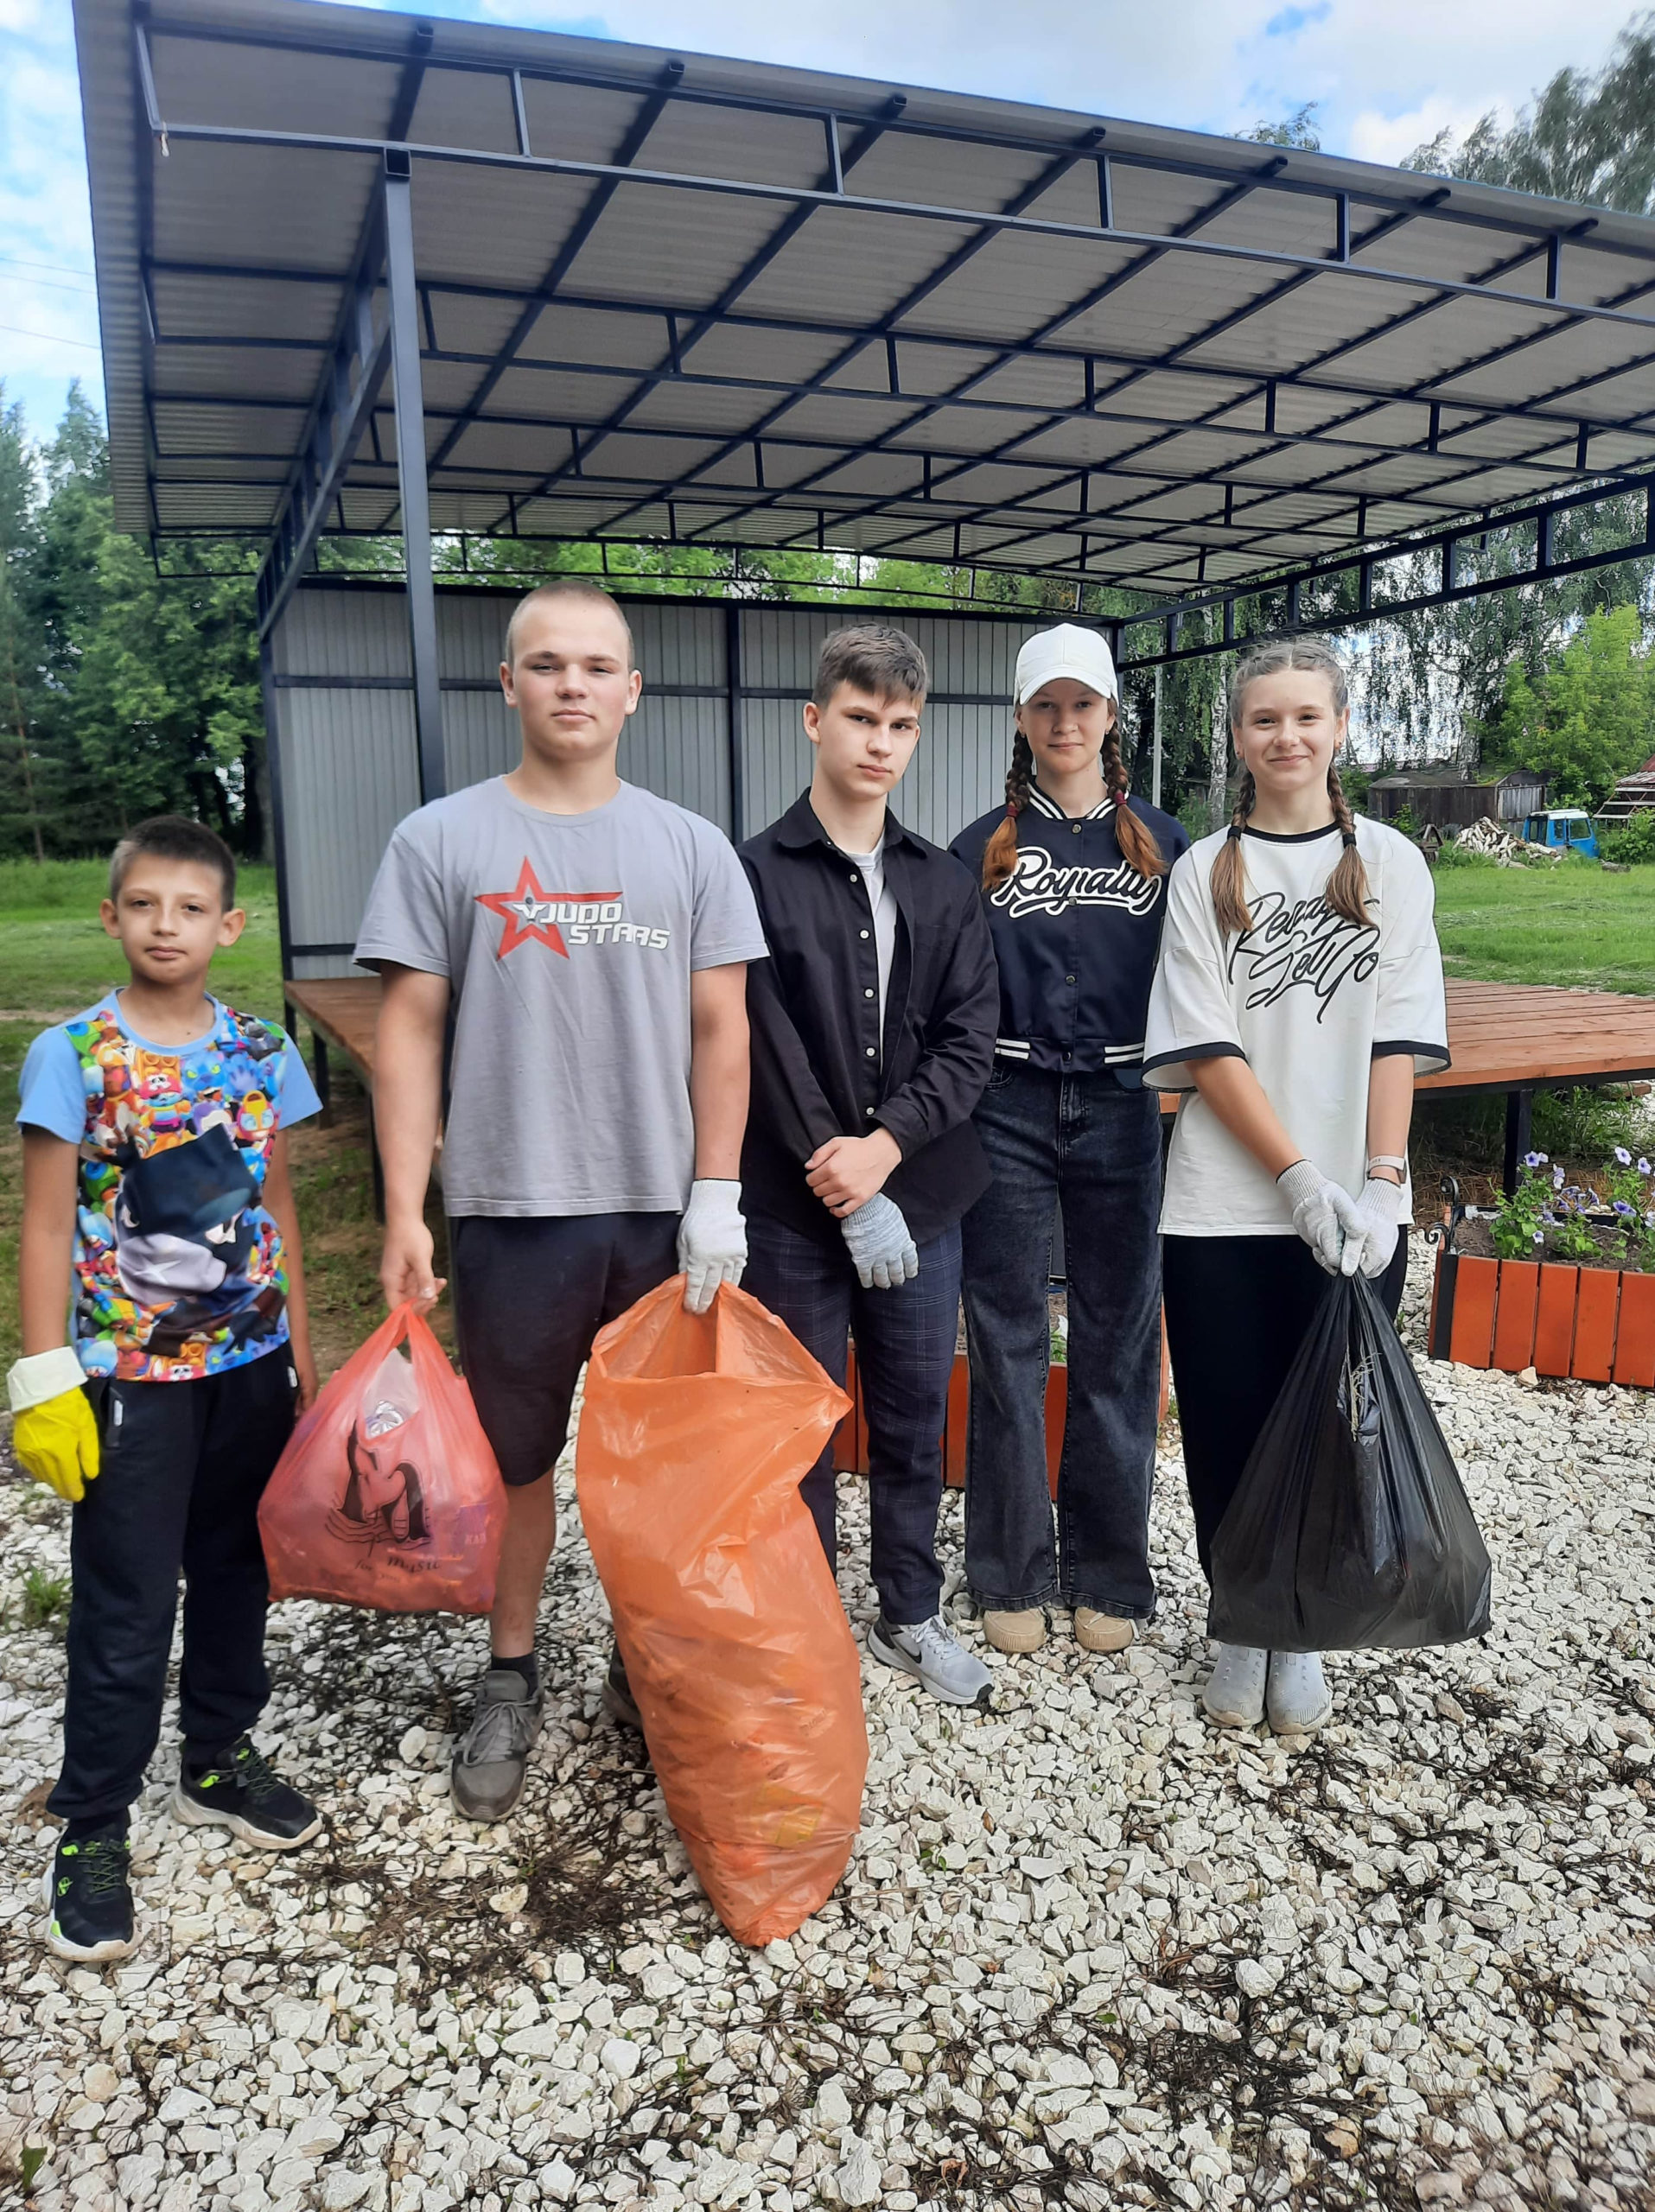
(1513, 1038)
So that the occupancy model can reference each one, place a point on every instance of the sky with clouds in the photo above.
(1385, 74)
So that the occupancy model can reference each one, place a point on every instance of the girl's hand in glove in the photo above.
(1371, 1228)
(884, 1253)
(53, 1433)
(1316, 1215)
(712, 1241)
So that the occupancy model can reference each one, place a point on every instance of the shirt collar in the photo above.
(798, 828)
(1039, 804)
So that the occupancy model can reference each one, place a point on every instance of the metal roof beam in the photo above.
(357, 368)
(1434, 197)
(1134, 365)
(805, 196)
(647, 117)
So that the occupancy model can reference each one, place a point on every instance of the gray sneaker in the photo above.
(492, 1758)
(930, 1653)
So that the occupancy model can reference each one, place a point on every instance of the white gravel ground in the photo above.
(1091, 1951)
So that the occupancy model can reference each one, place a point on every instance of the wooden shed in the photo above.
(1454, 797)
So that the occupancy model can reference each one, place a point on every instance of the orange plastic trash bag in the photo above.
(696, 1433)
(387, 1494)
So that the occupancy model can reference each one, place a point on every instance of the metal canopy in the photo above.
(696, 301)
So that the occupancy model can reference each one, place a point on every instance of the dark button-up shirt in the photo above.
(1076, 932)
(821, 1066)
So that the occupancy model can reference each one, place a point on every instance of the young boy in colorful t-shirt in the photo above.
(159, 1235)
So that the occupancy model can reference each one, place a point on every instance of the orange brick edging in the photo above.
(1595, 1324)
(851, 1438)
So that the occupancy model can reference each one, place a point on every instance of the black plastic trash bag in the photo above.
(1350, 1528)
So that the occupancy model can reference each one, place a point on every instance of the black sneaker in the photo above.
(618, 1700)
(89, 1900)
(243, 1792)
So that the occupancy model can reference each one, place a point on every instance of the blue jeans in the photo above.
(904, 1354)
(1091, 1145)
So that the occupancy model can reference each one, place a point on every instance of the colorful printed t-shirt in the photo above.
(1307, 998)
(178, 1268)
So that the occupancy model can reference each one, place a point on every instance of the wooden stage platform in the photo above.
(1514, 1038)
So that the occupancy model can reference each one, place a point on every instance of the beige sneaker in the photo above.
(1096, 1632)
(1020, 1631)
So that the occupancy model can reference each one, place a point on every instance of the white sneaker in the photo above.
(1297, 1698)
(930, 1653)
(1234, 1695)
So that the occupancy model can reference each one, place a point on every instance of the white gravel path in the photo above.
(1090, 1952)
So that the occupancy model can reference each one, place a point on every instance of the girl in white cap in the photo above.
(1073, 875)
(1300, 991)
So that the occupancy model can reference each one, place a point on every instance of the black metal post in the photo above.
(1519, 1123)
(737, 734)
(278, 825)
(414, 491)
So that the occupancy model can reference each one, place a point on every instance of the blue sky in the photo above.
(1385, 74)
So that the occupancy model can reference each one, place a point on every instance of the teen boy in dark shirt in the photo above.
(872, 1025)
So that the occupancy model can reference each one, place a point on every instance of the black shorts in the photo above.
(530, 1295)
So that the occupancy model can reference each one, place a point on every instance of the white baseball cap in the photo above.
(1068, 651)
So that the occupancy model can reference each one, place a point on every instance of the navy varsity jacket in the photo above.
(1076, 932)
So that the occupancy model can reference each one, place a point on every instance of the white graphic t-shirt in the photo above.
(1307, 998)
(568, 941)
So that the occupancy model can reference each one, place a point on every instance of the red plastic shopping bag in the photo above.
(387, 1494)
(696, 1433)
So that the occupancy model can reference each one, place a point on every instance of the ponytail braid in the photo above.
(1229, 877)
(1000, 854)
(1347, 892)
(1135, 838)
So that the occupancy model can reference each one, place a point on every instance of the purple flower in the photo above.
(1557, 1177)
(1623, 1155)
(1538, 1239)
(1643, 1167)
(1623, 1209)
(1548, 1216)
(1534, 1159)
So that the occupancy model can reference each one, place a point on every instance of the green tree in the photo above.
(1584, 137)
(1297, 129)
(20, 648)
(1589, 719)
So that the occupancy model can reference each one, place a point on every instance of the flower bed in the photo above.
(1564, 1286)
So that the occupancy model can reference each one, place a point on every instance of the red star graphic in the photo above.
(527, 912)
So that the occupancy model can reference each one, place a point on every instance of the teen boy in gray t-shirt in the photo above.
(591, 941)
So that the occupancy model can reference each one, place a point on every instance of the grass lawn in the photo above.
(1569, 924)
(55, 959)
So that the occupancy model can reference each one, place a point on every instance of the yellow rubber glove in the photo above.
(53, 1433)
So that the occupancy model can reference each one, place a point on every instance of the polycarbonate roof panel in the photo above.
(666, 292)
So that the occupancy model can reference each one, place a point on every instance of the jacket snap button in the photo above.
(1069, 979)
(867, 994)
(861, 932)
(868, 1111)
(870, 1051)
(1075, 829)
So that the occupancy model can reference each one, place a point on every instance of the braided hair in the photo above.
(1135, 838)
(1346, 892)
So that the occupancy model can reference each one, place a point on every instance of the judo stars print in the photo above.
(531, 914)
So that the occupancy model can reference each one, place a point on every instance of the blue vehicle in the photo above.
(1567, 826)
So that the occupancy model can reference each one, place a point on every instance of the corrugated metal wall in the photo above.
(343, 708)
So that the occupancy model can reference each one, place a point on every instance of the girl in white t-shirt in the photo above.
(1298, 994)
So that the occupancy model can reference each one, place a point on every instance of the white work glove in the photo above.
(1371, 1228)
(884, 1253)
(1316, 1215)
(712, 1241)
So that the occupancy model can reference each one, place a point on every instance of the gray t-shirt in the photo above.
(568, 941)
(882, 900)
